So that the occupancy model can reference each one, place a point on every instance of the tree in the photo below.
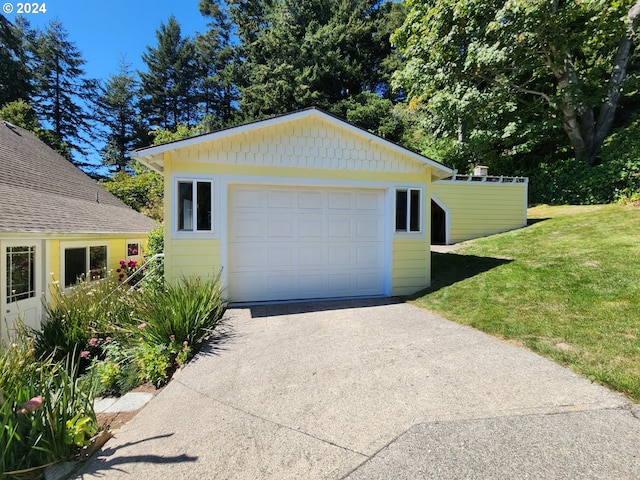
(169, 89)
(309, 53)
(118, 112)
(217, 56)
(62, 93)
(15, 77)
(20, 113)
(512, 72)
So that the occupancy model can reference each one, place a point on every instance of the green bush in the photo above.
(116, 369)
(187, 311)
(89, 310)
(46, 410)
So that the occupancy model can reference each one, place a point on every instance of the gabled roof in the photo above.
(41, 191)
(153, 156)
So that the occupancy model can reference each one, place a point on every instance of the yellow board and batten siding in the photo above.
(481, 208)
(305, 152)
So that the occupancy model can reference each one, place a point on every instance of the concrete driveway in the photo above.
(372, 390)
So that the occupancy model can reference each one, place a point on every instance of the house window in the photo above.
(20, 273)
(134, 249)
(84, 262)
(408, 210)
(195, 206)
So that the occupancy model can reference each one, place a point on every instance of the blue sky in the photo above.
(106, 30)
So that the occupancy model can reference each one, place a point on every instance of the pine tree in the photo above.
(15, 77)
(62, 95)
(170, 89)
(118, 113)
(217, 55)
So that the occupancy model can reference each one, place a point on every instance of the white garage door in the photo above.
(290, 243)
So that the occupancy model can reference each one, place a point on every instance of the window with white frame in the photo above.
(21, 273)
(194, 205)
(134, 249)
(408, 209)
(81, 262)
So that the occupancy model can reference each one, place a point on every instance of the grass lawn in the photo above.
(567, 287)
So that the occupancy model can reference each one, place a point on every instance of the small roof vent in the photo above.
(481, 170)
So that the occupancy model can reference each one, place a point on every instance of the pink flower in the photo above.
(118, 270)
(108, 339)
(84, 354)
(32, 405)
(142, 325)
(93, 342)
(132, 264)
(185, 343)
(123, 263)
(172, 337)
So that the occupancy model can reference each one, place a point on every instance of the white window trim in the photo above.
(80, 244)
(137, 257)
(193, 179)
(421, 217)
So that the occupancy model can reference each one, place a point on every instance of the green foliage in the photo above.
(88, 310)
(570, 182)
(187, 311)
(46, 410)
(155, 361)
(312, 53)
(115, 368)
(510, 81)
(119, 114)
(62, 92)
(143, 192)
(20, 113)
(169, 93)
(371, 112)
(155, 241)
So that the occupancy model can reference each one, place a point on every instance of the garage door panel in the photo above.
(339, 200)
(310, 226)
(299, 242)
(311, 255)
(338, 227)
(281, 226)
(310, 200)
(281, 199)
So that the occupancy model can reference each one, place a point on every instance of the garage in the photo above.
(298, 242)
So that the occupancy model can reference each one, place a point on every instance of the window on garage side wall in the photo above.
(408, 210)
(194, 204)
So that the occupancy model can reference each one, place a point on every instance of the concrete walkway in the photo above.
(372, 390)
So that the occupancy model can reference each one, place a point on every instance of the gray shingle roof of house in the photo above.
(40, 191)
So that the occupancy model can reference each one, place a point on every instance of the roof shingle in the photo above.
(40, 191)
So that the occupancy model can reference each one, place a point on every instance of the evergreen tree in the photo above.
(169, 89)
(118, 114)
(299, 53)
(217, 55)
(62, 95)
(15, 77)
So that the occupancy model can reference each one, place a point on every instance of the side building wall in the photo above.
(477, 206)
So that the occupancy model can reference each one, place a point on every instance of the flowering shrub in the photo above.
(127, 269)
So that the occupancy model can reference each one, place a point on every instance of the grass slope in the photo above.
(567, 286)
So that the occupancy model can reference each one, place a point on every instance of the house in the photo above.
(300, 206)
(56, 224)
(471, 206)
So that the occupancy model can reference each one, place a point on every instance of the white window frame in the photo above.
(194, 206)
(408, 230)
(137, 256)
(87, 246)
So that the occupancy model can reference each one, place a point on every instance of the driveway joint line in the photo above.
(329, 442)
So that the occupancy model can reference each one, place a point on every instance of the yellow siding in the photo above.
(411, 266)
(116, 251)
(192, 257)
(480, 209)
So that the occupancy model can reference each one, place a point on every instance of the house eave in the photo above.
(153, 157)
